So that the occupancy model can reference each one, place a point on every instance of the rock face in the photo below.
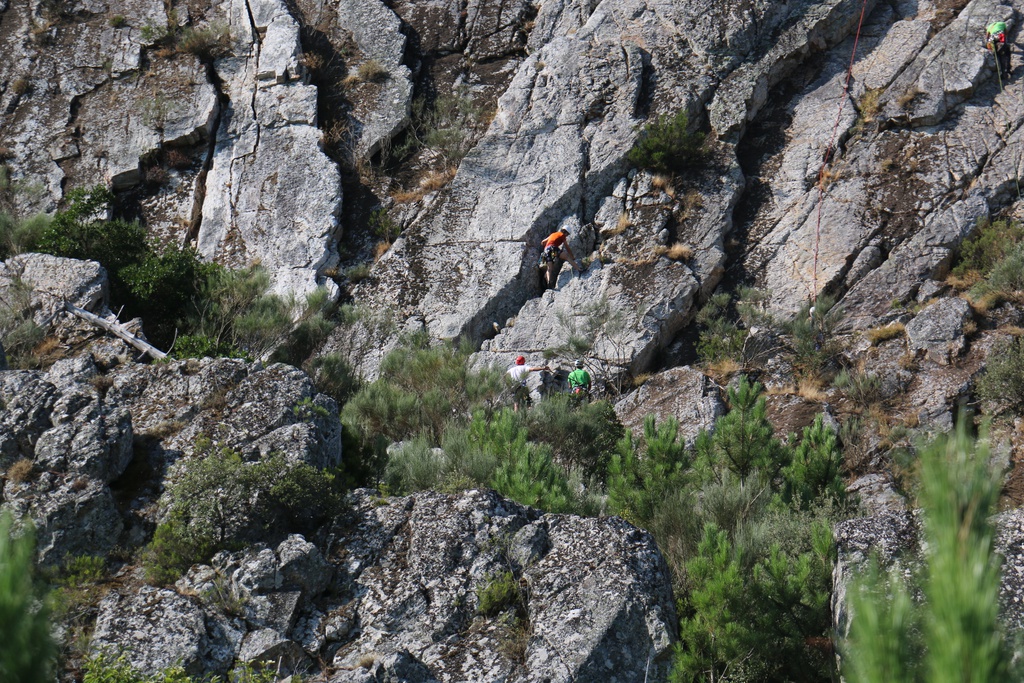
(683, 393)
(401, 590)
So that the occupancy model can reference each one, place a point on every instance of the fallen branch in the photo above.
(117, 330)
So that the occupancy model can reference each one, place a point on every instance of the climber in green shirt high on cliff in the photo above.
(995, 40)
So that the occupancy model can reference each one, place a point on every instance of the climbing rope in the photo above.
(831, 147)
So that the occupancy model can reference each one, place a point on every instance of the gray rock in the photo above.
(155, 629)
(266, 645)
(276, 611)
(271, 196)
(876, 495)
(604, 618)
(302, 566)
(683, 393)
(938, 329)
(73, 515)
(382, 107)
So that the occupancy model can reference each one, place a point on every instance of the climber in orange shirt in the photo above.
(556, 248)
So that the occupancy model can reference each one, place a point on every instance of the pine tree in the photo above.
(26, 647)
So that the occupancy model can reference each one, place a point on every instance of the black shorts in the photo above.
(550, 254)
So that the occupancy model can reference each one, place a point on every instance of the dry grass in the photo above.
(869, 104)
(366, 661)
(680, 252)
(1012, 330)
(780, 390)
(970, 328)
(692, 202)
(164, 429)
(724, 369)
(373, 71)
(962, 283)
(986, 302)
(431, 182)
(20, 471)
(20, 86)
(380, 250)
(102, 383)
(908, 97)
(877, 335)
(641, 378)
(49, 349)
(828, 176)
(811, 390)
(908, 361)
(313, 61)
(886, 165)
(663, 182)
(622, 225)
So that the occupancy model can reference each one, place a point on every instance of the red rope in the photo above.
(831, 146)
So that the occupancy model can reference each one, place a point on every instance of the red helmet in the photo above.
(521, 360)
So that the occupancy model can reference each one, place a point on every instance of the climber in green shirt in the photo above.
(579, 380)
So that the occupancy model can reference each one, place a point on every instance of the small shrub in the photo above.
(118, 21)
(907, 98)
(680, 252)
(667, 145)
(863, 389)
(720, 338)
(869, 104)
(202, 346)
(207, 42)
(19, 333)
(1003, 381)
(813, 337)
(332, 375)
(358, 272)
(383, 226)
(20, 471)
(877, 335)
(20, 86)
(153, 33)
(498, 592)
(991, 243)
(372, 71)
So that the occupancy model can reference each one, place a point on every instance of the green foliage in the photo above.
(742, 442)
(1003, 381)
(27, 650)
(530, 477)
(308, 411)
(499, 592)
(106, 667)
(384, 226)
(413, 466)
(201, 346)
(1006, 278)
(814, 336)
(815, 473)
(19, 237)
(80, 232)
(205, 42)
(332, 375)
(448, 126)
(19, 332)
(221, 502)
(420, 389)
(959, 620)
(639, 482)
(991, 243)
(720, 338)
(667, 144)
(582, 436)
(865, 390)
(315, 323)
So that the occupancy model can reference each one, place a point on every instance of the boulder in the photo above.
(684, 393)
(267, 645)
(156, 628)
(938, 330)
(612, 619)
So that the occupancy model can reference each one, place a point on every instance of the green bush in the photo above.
(19, 332)
(958, 622)
(863, 389)
(499, 592)
(1003, 380)
(743, 440)
(27, 650)
(719, 338)
(1006, 277)
(201, 346)
(667, 144)
(332, 375)
(639, 481)
(19, 237)
(815, 472)
(221, 502)
(206, 42)
(80, 232)
(991, 243)
(580, 437)
(414, 466)
(814, 337)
